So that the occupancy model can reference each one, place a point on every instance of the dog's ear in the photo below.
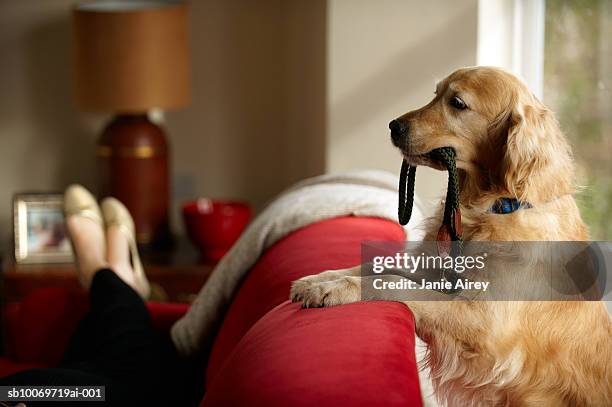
(528, 146)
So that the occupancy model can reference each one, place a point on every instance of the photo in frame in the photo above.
(39, 230)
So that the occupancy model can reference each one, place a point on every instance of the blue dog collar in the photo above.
(508, 205)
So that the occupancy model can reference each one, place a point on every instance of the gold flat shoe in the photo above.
(78, 201)
(116, 214)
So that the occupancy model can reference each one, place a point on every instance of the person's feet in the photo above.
(96, 248)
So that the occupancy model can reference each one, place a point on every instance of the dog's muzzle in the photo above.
(399, 131)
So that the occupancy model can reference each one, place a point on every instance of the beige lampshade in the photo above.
(131, 56)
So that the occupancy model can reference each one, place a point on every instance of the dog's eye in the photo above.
(457, 103)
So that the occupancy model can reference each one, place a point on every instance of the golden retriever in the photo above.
(498, 353)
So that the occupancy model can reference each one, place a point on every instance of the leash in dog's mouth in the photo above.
(450, 231)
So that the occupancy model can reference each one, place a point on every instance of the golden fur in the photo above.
(495, 353)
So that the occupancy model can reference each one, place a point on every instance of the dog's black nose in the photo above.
(398, 128)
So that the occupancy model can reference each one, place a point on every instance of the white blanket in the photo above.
(358, 193)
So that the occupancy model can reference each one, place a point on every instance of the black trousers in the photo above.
(115, 346)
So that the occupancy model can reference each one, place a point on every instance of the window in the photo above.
(577, 87)
(563, 51)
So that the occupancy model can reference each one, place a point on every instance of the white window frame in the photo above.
(511, 36)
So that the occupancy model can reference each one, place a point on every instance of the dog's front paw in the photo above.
(312, 293)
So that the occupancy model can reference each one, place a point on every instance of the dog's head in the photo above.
(507, 142)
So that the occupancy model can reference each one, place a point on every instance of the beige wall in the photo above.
(282, 90)
(256, 124)
(384, 59)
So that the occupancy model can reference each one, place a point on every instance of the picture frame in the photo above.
(39, 231)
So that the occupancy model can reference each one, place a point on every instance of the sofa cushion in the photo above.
(38, 329)
(44, 324)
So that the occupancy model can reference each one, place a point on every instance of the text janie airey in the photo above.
(411, 264)
(406, 284)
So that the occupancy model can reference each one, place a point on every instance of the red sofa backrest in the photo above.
(270, 352)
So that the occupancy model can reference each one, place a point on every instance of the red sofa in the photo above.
(268, 352)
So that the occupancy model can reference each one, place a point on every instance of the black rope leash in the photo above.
(450, 231)
(452, 216)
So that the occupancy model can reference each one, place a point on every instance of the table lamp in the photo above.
(131, 57)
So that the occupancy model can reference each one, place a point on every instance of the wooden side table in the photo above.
(176, 275)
